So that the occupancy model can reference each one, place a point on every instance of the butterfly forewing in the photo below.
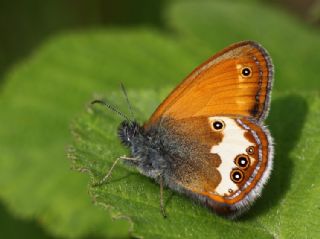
(236, 81)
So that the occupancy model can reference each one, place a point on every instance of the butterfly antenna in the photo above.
(112, 108)
(127, 99)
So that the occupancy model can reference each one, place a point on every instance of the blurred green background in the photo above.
(48, 47)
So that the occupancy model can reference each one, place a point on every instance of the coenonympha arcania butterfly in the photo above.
(207, 139)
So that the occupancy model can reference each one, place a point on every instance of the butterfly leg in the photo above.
(161, 197)
(105, 178)
(129, 158)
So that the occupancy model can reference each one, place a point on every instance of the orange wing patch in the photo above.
(234, 82)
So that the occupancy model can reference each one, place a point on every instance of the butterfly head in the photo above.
(128, 130)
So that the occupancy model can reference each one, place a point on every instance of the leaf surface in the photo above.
(292, 191)
(45, 92)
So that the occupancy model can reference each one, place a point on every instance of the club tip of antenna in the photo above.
(97, 101)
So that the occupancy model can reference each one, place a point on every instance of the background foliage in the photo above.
(45, 92)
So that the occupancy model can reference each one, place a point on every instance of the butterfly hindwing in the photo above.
(228, 165)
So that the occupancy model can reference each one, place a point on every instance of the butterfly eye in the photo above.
(246, 71)
(218, 125)
(236, 176)
(242, 161)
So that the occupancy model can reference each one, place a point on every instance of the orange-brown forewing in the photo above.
(218, 87)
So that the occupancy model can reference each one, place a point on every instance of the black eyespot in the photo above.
(250, 150)
(242, 161)
(218, 125)
(246, 71)
(236, 176)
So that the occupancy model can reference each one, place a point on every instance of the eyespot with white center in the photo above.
(242, 161)
(250, 150)
(236, 175)
(246, 71)
(218, 125)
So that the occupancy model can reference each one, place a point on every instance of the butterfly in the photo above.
(207, 139)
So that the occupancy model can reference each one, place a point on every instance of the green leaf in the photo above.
(13, 228)
(37, 104)
(211, 25)
(290, 199)
(45, 92)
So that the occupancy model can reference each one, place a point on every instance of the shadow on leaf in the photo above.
(286, 120)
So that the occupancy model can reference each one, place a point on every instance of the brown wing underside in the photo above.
(188, 142)
(217, 87)
(196, 168)
(256, 174)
